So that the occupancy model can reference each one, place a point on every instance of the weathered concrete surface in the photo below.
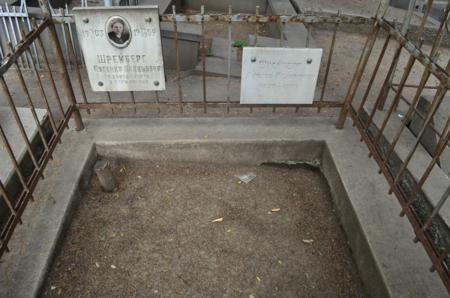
(390, 264)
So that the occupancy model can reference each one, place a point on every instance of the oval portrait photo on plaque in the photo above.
(119, 31)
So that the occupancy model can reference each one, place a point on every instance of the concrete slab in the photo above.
(389, 262)
(12, 132)
(219, 48)
(219, 67)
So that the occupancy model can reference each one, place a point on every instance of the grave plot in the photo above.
(199, 230)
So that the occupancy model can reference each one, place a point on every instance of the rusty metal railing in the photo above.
(109, 101)
(17, 187)
(383, 133)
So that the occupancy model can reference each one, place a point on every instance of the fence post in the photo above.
(67, 85)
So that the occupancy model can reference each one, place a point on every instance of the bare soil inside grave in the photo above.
(156, 236)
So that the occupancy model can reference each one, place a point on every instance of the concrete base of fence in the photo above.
(390, 264)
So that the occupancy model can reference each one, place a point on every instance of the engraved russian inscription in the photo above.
(122, 49)
(279, 75)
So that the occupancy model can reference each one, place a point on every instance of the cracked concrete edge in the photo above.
(363, 256)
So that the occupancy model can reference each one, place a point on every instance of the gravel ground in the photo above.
(155, 237)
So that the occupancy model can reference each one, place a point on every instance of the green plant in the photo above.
(240, 43)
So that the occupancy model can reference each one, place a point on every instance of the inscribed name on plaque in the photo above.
(121, 47)
(279, 75)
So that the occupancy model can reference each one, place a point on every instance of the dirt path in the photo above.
(155, 237)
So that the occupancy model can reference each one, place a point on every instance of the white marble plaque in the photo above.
(279, 75)
(121, 47)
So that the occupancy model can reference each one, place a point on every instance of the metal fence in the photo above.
(203, 103)
(17, 21)
(29, 170)
(14, 21)
(431, 230)
(430, 227)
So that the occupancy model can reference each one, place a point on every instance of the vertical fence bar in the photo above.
(50, 74)
(255, 43)
(230, 11)
(203, 45)
(308, 36)
(2, 55)
(282, 25)
(71, 55)
(108, 97)
(443, 29)
(282, 30)
(67, 85)
(32, 108)
(133, 100)
(66, 47)
(367, 50)
(330, 57)
(19, 123)
(19, 32)
(5, 26)
(374, 74)
(239, 56)
(7, 201)
(398, 94)
(177, 53)
(44, 96)
(13, 159)
(69, 33)
(27, 18)
(381, 94)
(13, 33)
(157, 101)
(424, 20)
